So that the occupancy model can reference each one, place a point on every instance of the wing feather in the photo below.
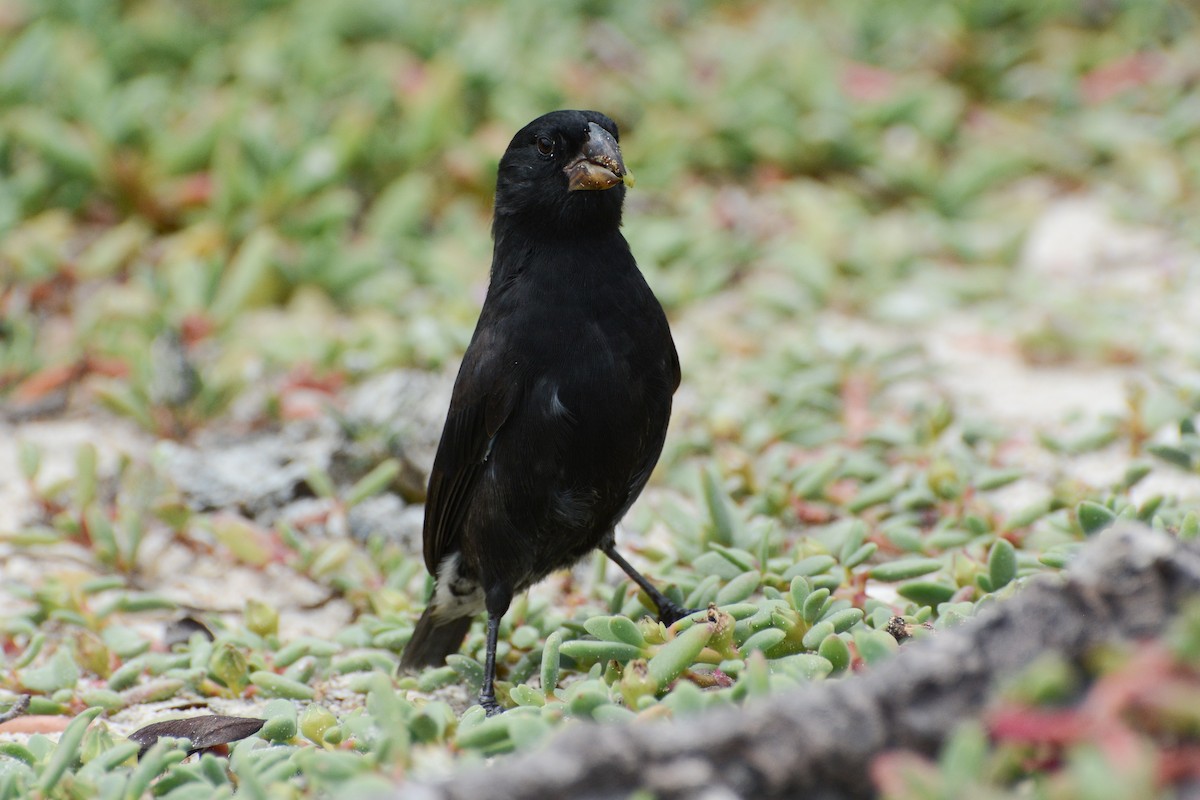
(473, 421)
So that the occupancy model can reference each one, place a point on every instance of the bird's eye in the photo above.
(545, 145)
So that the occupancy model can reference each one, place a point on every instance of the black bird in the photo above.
(561, 404)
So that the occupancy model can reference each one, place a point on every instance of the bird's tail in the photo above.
(433, 640)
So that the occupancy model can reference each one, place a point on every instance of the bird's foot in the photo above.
(669, 612)
(490, 705)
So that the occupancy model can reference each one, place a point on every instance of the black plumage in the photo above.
(562, 401)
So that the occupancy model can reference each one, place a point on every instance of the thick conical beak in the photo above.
(599, 164)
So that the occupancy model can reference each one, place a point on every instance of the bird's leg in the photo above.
(669, 612)
(487, 692)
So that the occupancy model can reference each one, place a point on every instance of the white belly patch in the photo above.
(455, 595)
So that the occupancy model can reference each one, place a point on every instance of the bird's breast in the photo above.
(589, 336)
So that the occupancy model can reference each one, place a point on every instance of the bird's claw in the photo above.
(491, 707)
(669, 613)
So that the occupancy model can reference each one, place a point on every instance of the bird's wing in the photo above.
(478, 408)
(676, 372)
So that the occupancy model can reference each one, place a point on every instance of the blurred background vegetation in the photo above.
(233, 171)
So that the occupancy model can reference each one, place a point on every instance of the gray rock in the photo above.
(398, 415)
(388, 515)
(253, 476)
(265, 476)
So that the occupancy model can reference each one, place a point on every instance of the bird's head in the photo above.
(563, 172)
